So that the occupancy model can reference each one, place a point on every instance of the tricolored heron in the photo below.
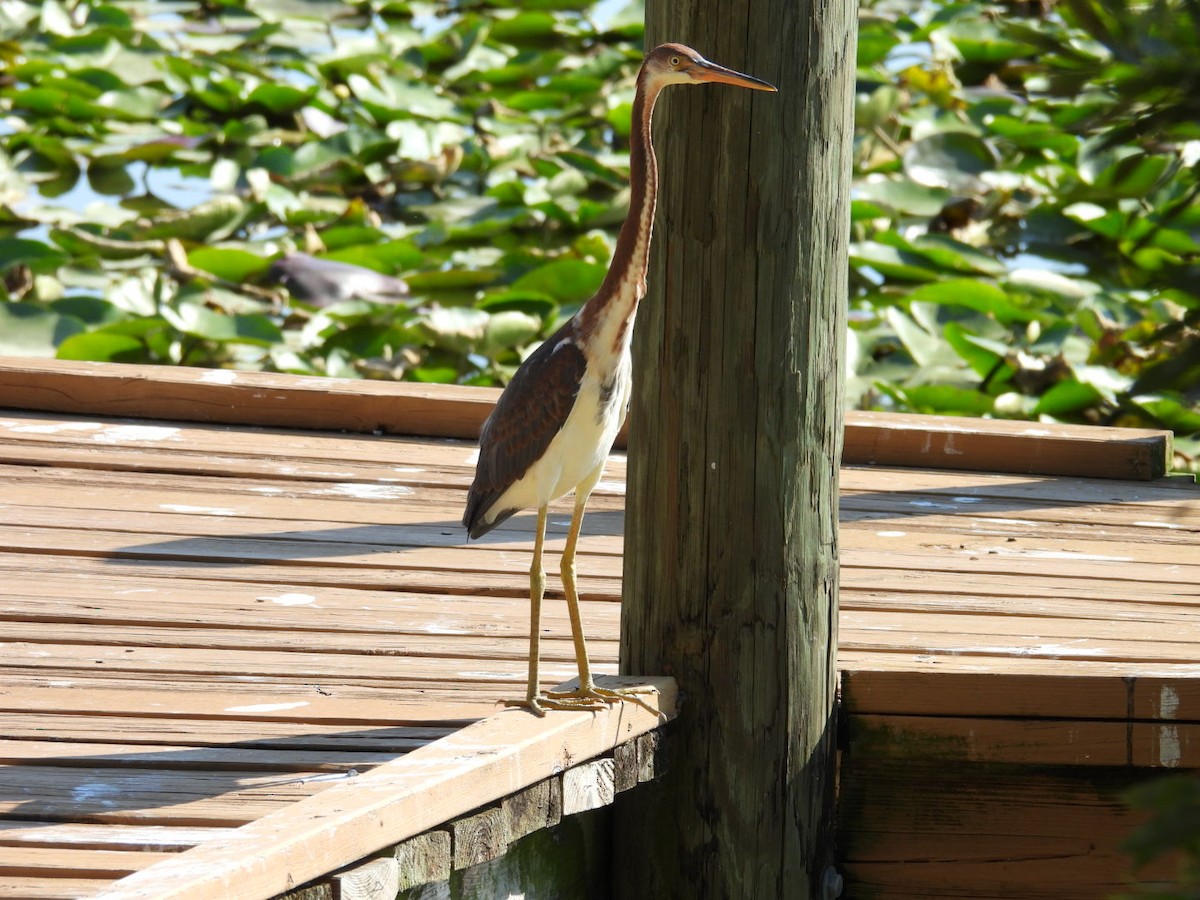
(555, 423)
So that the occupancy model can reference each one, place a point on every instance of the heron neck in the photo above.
(615, 304)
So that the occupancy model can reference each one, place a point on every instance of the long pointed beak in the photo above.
(710, 72)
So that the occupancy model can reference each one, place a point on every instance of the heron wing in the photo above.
(531, 411)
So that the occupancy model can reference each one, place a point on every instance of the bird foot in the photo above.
(588, 697)
(591, 697)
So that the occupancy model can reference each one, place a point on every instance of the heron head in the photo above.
(677, 64)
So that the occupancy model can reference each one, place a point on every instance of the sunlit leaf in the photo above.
(30, 330)
(228, 263)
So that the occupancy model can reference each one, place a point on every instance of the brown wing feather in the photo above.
(531, 411)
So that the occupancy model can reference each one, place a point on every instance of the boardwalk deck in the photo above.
(263, 645)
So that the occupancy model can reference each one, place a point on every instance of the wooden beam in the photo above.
(378, 879)
(225, 397)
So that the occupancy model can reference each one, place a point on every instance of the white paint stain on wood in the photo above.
(120, 434)
(95, 792)
(49, 427)
(289, 599)
(198, 510)
(1168, 735)
(1168, 702)
(890, 534)
(266, 707)
(219, 376)
(360, 491)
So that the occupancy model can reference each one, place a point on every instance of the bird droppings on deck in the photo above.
(290, 599)
(890, 534)
(439, 628)
(265, 489)
(472, 457)
(198, 510)
(1171, 525)
(612, 487)
(120, 434)
(266, 707)
(95, 792)
(968, 499)
(930, 504)
(219, 376)
(360, 491)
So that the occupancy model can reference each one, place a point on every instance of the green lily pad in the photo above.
(953, 160)
(29, 330)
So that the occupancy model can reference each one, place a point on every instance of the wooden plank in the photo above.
(991, 445)
(910, 828)
(588, 786)
(988, 692)
(83, 836)
(378, 879)
(166, 756)
(478, 837)
(253, 398)
(534, 808)
(330, 740)
(423, 859)
(27, 888)
(277, 701)
(1040, 742)
(129, 796)
(54, 861)
(264, 399)
(485, 761)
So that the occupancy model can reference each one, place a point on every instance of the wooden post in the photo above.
(735, 435)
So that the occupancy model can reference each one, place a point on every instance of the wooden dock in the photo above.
(242, 651)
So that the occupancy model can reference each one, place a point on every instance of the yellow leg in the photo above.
(587, 695)
(537, 589)
(567, 566)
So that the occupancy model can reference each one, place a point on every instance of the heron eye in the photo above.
(675, 62)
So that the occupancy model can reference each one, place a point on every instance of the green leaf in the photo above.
(30, 330)
(279, 98)
(980, 296)
(200, 321)
(26, 252)
(457, 328)
(568, 281)
(950, 159)
(510, 328)
(904, 196)
(889, 262)
(228, 263)
(1066, 397)
(101, 346)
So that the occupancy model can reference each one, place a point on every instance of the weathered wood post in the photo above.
(735, 436)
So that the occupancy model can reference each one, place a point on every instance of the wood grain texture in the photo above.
(487, 760)
(916, 828)
(291, 401)
(735, 439)
(214, 621)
